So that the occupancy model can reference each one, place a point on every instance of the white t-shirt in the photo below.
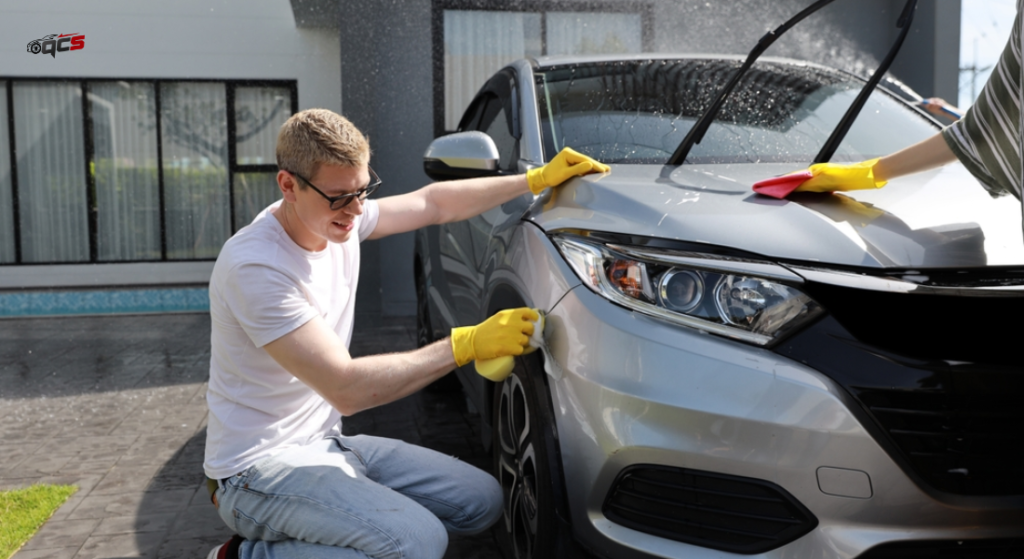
(264, 286)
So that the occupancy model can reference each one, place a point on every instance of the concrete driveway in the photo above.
(116, 405)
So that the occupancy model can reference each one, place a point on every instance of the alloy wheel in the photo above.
(517, 468)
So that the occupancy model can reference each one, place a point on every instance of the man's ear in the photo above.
(288, 185)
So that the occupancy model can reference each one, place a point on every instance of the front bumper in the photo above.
(634, 390)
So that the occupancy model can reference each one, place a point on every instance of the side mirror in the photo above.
(461, 155)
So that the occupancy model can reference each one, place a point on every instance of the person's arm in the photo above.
(448, 201)
(864, 175)
(445, 202)
(314, 354)
(924, 155)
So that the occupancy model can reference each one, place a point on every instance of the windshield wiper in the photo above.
(832, 144)
(696, 134)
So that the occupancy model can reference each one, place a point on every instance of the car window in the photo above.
(639, 112)
(496, 125)
(471, 120)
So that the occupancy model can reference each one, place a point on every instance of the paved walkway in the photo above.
(116, 405)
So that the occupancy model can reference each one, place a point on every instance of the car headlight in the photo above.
(751, 301)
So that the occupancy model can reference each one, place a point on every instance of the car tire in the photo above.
(36, 48)
(524, 459)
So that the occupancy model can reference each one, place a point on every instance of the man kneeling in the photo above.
(282, 298)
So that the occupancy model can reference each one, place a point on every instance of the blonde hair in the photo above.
(318, 136)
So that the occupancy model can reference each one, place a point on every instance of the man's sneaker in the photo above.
(227, 550)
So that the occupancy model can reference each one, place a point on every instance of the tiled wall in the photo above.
(129, 301)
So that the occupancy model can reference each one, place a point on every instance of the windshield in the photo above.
(639, 112)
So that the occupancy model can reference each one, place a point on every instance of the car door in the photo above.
(459, 270)
(463, 245)
(500, 121)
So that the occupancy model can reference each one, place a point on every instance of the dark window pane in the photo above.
(508, 146)
(51, 172)
(259, 114)
(473, 114)
(7, 251)
(253, 193)
(126, 172)
(195, 157)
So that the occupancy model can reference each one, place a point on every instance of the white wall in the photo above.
(215, 39)
(211, 39)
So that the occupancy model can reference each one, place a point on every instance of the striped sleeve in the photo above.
(987, 140)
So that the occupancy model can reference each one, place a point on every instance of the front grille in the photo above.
(729, 513)
(935, 379)
(928, 326)
(962, 441)
(949, 549)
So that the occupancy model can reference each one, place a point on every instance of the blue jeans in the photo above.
(357, 497)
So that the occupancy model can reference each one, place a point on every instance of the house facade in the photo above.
(127, 162)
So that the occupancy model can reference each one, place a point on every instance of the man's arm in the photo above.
(445, 202)
(314, 354)
(318, 357)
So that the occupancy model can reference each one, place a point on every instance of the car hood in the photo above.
(938, 219)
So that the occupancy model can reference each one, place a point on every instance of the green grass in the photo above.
(23, 511)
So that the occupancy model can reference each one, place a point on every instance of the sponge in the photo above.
(496, 370)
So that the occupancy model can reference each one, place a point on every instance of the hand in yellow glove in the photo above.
(564, 166)
(499, 368)
(832, 177)
(505, 333)
(823, 177)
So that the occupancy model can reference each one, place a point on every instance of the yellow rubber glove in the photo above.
(505, 333)
(832, 177)
(564, 166)
(499, 368)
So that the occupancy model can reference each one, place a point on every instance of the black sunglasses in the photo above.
(340, 201)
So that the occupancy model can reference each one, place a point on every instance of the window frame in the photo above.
(438, 7)
(90, 153)
(501, 91)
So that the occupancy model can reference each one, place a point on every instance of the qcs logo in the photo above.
(52, 44)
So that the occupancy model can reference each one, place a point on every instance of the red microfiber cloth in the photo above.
(780, 187)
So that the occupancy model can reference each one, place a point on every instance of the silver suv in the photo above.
(830, 375)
